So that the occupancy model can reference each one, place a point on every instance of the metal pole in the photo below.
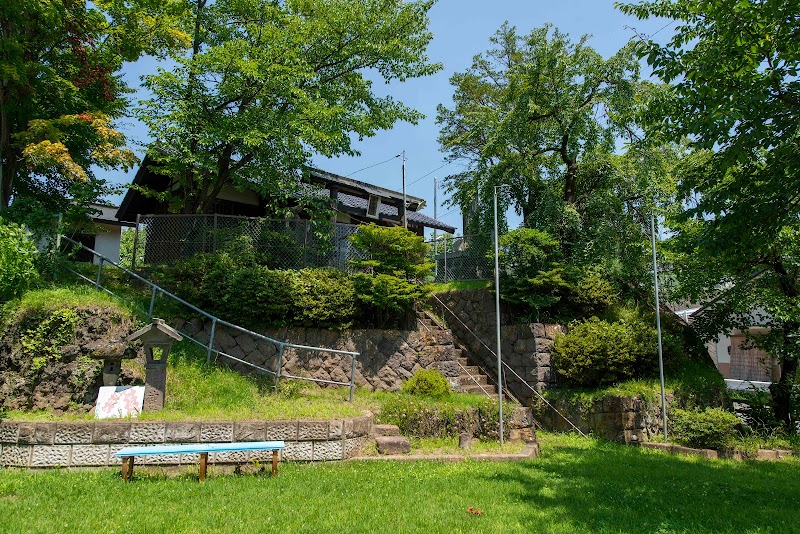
(152, 304)
(278, 367)
(445, 258)
(658, 325)
(99, 272)
(211, 341)
(135, 244)
(352, 377)
(435, 243)
(405, 204)
(497, 312)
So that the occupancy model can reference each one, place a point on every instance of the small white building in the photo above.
(105, 236)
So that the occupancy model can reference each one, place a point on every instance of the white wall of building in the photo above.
(107, 242)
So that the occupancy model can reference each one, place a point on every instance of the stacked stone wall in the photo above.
(525, 347)
(83, 444)
(387, 357)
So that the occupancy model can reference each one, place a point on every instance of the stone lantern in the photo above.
(157, 339)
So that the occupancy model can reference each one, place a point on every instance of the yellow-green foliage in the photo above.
(427, 383)
(43, 341)
(17, 254)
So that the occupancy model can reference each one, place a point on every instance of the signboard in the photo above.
(119, 401)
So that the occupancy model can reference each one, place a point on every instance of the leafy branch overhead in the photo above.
(266, 84)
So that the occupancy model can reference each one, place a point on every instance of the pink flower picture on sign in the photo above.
(119, 401)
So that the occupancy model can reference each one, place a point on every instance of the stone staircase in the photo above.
(472, 378)
(389, 440)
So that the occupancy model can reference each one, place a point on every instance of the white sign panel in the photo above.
(119, 401)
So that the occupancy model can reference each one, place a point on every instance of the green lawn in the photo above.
(577, 485)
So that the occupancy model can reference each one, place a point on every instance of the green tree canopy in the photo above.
(268, 83)
(736, 96)
(60, 90)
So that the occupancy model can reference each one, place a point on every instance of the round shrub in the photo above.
(428, 383)
(17, 255)
(323, 298)
(712, 428)
(597, 353)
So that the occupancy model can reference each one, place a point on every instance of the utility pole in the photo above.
(435, 243)
(405, 204)
(497, 312)
(658, 325)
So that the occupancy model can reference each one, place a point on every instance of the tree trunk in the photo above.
(782, 390)
(569, 181)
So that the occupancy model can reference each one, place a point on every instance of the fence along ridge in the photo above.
(215, 321)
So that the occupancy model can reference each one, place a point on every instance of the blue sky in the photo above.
(461, 29)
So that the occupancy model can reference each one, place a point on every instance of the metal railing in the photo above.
(507, 367)
(215, 323)
(461, 258)
(279, 244)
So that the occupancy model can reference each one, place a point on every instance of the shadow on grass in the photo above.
(607, 487)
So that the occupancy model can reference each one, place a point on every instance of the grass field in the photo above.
(577, 485)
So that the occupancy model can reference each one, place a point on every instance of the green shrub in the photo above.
(256, 295)
(384, 300)
(391, 250)
(428, 383)
(712, 428)
(598, 353)
(17, 261)
(323, 298)
(594, 292)
(202, 280)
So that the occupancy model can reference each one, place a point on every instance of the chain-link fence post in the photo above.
(135, 244)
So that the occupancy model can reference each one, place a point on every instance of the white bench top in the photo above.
(201, 447)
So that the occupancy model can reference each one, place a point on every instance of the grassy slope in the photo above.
(577, 485)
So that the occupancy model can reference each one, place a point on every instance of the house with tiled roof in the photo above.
(354, 201)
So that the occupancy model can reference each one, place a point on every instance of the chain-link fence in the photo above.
(280, 244)
(462, 258)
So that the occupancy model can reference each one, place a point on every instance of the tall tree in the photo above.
(60, 89)
(536, 113)
(736, 94)
(267, 83)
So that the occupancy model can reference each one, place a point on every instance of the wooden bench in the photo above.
(129, 453)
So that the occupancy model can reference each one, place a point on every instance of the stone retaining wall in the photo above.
(525, 347)
(623, 419)
(387, 357)
(73, 444)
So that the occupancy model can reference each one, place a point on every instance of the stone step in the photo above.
(463, 361)
(385, 430)
(479, 390)
(472, 369)
(471, 380)
(393, 444)
(460, 354)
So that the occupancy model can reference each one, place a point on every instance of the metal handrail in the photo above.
(506, 366)
(215, 321)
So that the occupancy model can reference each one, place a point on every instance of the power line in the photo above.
(433, 171)
(374, 165)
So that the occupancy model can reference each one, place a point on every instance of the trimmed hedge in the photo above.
(428, 383)
(712, 428)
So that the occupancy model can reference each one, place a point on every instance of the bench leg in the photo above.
(127, 468)
(275, 463)
(203, 465)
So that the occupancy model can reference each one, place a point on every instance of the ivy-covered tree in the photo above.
(267, 83)
(60, 91)
(736, 95)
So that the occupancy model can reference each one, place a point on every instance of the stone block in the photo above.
(229, 457)
(542, 359)
(16, 455)
(148, 432)
(250, 431)
(361, 426)
(282, 430)
(328, 450)
(8, 431)
(27, 434)
(521, 417)
(385, 430)
(112, 433)
(50, 455)
(90, 455)
(223, 340)
(538, 330)
(544, 345)
(246, 342)
(264, 456)
(521, 346)
(45, 433)
(336, 429)
(216, 432)
(352, 446)
(313, 430)
(298, 450)
(80, 433)
(767, 454)
(551, 330)
(543, 374)
(182, 433)
(160, 459)
(393, 444)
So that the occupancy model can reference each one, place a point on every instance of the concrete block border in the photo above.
(93, 444)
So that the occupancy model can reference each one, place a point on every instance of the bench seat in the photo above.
(129, 453)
